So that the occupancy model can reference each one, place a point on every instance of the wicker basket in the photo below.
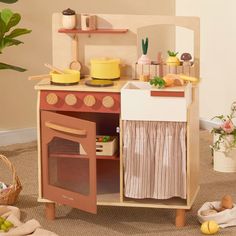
(9, 196)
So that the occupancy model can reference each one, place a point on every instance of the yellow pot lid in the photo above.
(105, 60)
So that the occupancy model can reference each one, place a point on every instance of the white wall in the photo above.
(218, 52)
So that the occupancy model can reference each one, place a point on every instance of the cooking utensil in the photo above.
(36, 77)
(53, 68)
(75, 64)
(69, 77)
(105, 68)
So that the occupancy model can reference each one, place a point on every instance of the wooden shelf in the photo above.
(115, 157)
(97, 31)
(108, 198)
(162, 203)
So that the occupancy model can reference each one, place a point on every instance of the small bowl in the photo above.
(69, 77)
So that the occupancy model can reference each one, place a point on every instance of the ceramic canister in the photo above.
(68, 19)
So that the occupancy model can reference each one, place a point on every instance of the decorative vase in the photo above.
(144, 60)
(224, 161)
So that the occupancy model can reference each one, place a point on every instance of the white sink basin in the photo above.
(141, 101)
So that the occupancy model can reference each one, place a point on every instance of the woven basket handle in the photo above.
(15, 178)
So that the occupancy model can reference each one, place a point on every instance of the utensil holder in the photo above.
(88, 22)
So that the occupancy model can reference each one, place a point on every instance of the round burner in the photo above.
(99, 83)
(64, 84)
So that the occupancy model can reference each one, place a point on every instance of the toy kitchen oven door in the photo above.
(75, 168)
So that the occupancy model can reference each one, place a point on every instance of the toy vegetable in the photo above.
(166, 81)
(5, 225)
(209, 227)
(172, 59)
(158, 82)
(144, 58)
(186, 57)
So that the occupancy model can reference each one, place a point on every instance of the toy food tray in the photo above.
(105, 146)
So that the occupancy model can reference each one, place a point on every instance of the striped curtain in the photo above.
(154, 155)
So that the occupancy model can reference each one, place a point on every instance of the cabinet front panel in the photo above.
(99, 102)
(69, 177)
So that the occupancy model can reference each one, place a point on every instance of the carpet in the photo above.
(116, 220)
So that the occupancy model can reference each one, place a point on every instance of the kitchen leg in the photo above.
(180, 218)
(50, 210)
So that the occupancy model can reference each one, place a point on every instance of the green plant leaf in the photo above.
(8, 1)
(17, 32)
(7, 42)
(4, 66)
(15, 19)
(6, 15)
(2, 28)
(221, 117)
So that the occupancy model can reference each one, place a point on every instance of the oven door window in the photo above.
(68, 168)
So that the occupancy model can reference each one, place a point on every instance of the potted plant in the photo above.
(224, 142)
(9, 20)
(144, 58)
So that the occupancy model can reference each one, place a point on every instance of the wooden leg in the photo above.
(180, 218)
(50, 210)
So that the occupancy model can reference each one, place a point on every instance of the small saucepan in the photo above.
(68, 77)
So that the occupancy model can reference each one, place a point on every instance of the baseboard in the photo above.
(208, 124)
(9, 137)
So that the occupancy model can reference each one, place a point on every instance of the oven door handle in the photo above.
(65, 129)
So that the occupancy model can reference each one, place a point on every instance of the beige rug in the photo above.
(116, 220)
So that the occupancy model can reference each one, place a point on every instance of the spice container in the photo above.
(68, 19)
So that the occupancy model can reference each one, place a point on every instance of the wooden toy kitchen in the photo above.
(123, 142)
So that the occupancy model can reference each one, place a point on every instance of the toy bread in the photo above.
(226, 202)
(173, 80)
(208, 212)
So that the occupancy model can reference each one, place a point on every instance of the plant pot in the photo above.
(224, 161)
(144, 60)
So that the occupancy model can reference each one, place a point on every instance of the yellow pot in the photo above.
(105, 68)
(69, 77)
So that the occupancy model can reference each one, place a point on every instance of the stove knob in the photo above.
(52, 99)
(108, 101)
(70, 99)
(89, 100)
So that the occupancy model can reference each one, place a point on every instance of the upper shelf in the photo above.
(97, 31)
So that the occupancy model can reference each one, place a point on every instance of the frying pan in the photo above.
(59, 77)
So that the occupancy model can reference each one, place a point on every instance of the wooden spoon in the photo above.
(59, 71)
(75, 64)
(36, 77)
